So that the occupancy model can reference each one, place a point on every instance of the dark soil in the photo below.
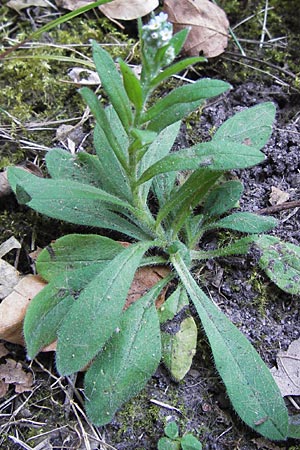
(266, 315)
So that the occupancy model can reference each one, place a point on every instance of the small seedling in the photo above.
(172, 441)
(131, 186)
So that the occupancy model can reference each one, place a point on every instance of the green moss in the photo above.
(259, 285)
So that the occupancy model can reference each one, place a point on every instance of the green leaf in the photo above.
(162, 186)
(97, 311)
(176, 68)
(181, 102)
(216, 155)
(175, 303)
(50, 306)
(190, 442)
(252, 126)
(238, 247)
(132, 85)
(222, 198)
(165, 443)
(159, 148)
(179, 346)
(76, 251)
(112, 84)
(127, 361)
(281, 262)
(109, 164)
(294, 426)
(187, 197)
(171, 430)
(245, 222)
(82, 167)
(249, 383)
(102, 120)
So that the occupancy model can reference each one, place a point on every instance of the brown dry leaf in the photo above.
(21, 4)
(117, 9)
(278, 196)
(209, 25)
(12, 373)
(9, 276)
(128, 10)
(13, 308)
(287, 376)
(3, 350)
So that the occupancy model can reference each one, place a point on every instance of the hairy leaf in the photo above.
(281, 262)
(222, 198)
(252, 126)
(128, 360)
(249, 383)
(97, 311)
(176, 68)
(132, 85)
(112, 84)
(245, 222)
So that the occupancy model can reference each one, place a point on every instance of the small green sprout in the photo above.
(172, 441)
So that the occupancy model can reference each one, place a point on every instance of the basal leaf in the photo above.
(249, 383)
(175, 303)
(171, 430)
(179, 346)
(128, 360)
(281, 262)
(222, 198)
(245, 222)
(76, 251)
(82, 167)
(189, 442)
(97, 311)
(252, 126)
(112, 84)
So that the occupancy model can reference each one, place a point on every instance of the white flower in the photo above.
(166, 34)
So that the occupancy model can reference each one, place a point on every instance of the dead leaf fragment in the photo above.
(12, 373)
(84, 77)
(13, 308)
(21, 4)
(128, 10)
(287, 376)
(208, 22)
(278, 196)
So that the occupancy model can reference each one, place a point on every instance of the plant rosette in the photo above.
(130, 185)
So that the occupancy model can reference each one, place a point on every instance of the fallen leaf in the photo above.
(3, 350)
(209, 25)
(84, 77)
(13, 308)
(128, 10)
(117, 9)
(277, 196)
(9, 276)
(287, 375)
(21, 4)
(12, 373)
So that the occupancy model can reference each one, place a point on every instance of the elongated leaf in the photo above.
(181, 102)
(188, 196)
(216, 155)
(82, 167)
(132, 85)
(222, 198)
(159, 148)
(245, 222)
(97, 311)
(112, 84)
(76, 251)
(50, 306)
(162, 186)
(129, 359)
(176, 68)
(101, 118)
(109, 164)
(175, 303)
(249, 383)
(251, 127)
(72, 202)
(281, 262)
(239, 247)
